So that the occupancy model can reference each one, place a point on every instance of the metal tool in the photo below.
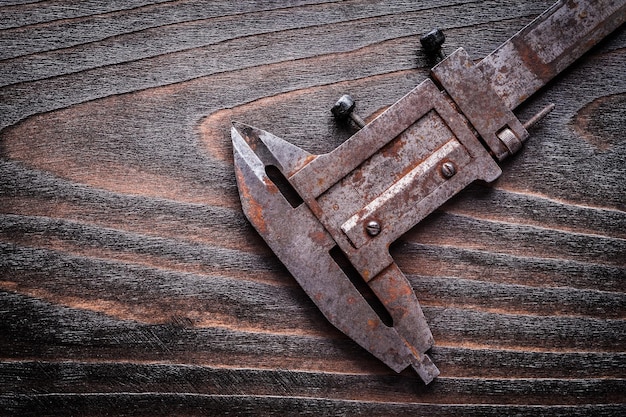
(330, 218)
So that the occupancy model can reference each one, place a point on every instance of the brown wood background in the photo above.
(132, 284)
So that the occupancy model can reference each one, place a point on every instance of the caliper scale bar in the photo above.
(428, 146)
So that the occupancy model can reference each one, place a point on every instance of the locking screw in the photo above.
(344, 109)
(432, 43)
(508, 137)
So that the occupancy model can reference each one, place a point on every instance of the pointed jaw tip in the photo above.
(245, 133)
(247, 162)
(238, 125)
(242, 136)
(236, 137)
(236, 128)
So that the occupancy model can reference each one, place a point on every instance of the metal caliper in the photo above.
(333, 216)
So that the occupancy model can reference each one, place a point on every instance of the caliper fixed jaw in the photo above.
(309, 251)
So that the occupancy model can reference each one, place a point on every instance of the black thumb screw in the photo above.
(432, 42)
(344, 108)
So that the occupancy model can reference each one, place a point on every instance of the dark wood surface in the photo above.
(132, 284)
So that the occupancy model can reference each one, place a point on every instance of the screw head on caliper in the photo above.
(448, 169)
(373, 228)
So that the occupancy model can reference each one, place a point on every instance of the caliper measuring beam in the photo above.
(332, 215)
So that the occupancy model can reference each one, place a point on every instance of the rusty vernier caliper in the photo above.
(331, 216)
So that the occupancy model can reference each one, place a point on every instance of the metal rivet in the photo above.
(448, 169)
(373, 228)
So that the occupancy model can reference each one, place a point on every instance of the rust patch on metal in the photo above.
(254, 210)
(393, 148)
(373, 324)
(319, 237)
(544, 72)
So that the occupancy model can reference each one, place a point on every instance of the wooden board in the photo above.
(132, 284)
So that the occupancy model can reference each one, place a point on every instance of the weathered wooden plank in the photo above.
(234, 53)
(85, 378)
(131, 283)
(521, 299)
(158, 256)
(479, 201)
(158, 404)
(495, 267)
(32, 12)
(91, 21)
(281, 316)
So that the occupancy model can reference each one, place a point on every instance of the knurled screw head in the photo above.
(373, 228)
(344, 108)
(433, 41)
(448, 169)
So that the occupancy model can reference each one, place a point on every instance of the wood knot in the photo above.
(601, 122)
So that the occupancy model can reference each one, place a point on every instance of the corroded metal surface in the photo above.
(469, 89)
(548, 45)
(331, 218)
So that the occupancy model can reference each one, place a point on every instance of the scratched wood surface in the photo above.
(132, 284)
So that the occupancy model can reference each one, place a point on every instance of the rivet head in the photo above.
(373, 228)
(448, 169)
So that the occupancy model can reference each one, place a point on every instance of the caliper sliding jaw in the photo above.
(317, 211)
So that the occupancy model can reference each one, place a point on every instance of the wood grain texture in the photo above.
(132, 284)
